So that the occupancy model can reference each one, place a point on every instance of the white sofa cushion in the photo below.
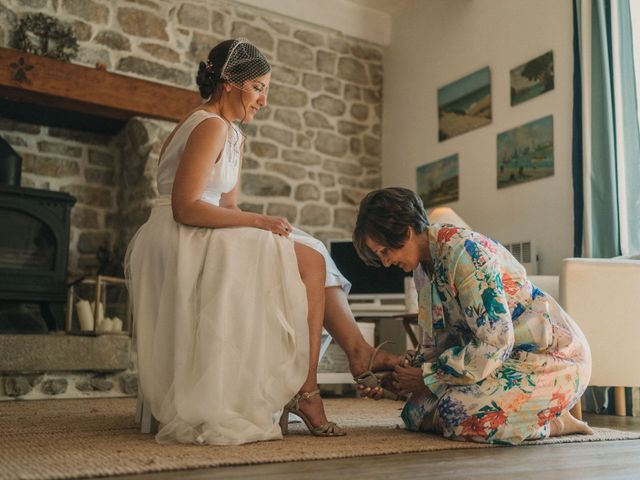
(547, 283)
(603, 297)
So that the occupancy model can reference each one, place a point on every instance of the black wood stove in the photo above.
(34, 249)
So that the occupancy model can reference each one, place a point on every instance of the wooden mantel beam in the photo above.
(51, 83)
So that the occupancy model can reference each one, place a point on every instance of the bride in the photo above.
(229, 305)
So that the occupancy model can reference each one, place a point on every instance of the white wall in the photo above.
(343, 16)
(436, 42)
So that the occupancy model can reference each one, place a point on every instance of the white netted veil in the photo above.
(244, 62)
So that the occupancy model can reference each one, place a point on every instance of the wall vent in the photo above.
(526, 254)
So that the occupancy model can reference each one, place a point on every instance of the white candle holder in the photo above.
(98, 305)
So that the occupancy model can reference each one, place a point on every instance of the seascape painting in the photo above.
(532, 78)
(525, 153)
(437, 182)
(464, 105)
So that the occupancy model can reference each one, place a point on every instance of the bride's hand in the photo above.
(277, 225)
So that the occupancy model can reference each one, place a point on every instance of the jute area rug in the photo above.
(98, 437)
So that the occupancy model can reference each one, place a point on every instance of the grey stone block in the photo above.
(17, 386)
(101, 384)
(49, 353)
(54, 386)
(129, 383)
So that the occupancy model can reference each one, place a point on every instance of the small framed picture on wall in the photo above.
(437, 182)
(525, 153)
(464, 105)
(532, 78)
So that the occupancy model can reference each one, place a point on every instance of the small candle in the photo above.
(105, 325)
(116, 324)
(85, 315)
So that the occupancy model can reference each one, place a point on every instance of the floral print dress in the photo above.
(500, 356)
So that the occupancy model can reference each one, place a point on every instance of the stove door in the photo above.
(26, 244)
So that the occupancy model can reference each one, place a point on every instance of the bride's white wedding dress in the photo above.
(220, 314)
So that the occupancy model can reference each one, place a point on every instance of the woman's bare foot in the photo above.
(566, 424)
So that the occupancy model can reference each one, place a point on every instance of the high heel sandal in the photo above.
(371, 379)
(415, 358)
(329, 429)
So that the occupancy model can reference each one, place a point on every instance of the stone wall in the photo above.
(43, 386)
(139, 143)
(310, 155)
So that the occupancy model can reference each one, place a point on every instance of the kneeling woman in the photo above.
(501, 361)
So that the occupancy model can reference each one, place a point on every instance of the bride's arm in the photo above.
(202, 150)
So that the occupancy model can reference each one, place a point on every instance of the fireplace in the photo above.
(89, 139)
(35, 242)
(34, 249)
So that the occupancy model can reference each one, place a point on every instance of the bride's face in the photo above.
(251, 97)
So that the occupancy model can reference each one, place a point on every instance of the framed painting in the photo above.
(437, 182)
(464, 105)
(525, 153)
(532, 78)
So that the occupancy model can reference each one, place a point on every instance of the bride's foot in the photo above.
(309, 407)
(313, 408)
(566, 424)
(374, 381)
(382, 361)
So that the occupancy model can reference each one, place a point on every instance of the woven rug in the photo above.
(47, 439)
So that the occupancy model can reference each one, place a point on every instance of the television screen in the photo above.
(366, 280)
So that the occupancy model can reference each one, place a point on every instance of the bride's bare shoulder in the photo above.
(177, 127)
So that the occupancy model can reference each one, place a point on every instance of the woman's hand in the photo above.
(408, 379)
(277, 225)
(376, 392)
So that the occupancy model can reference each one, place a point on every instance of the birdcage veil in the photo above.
(244, 62)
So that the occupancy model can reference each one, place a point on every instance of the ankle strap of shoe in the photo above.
(375, 352)
(308, 395)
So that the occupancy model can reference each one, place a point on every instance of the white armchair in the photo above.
(603, 297)
(547, 283)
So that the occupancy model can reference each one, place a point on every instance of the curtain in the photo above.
(606, 142)
(629, 139)
(606, 137)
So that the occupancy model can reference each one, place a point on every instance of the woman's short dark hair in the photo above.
(385, 217)
(209, 77)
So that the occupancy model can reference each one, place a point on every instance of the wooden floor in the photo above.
(596, 460)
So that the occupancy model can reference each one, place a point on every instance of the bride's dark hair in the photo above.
(240, 61)
(208, 77)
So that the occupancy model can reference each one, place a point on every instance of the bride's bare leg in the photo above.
(567, 424)
(340, 323)
(312, 271)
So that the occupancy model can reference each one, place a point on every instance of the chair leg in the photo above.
(620, 401)
(148, 423)
(139, 407)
